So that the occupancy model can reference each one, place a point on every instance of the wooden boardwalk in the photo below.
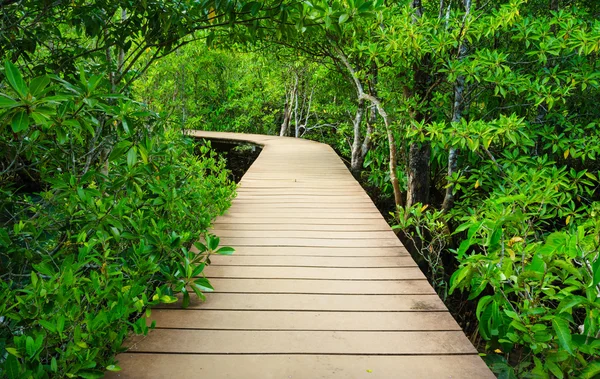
(319, 287)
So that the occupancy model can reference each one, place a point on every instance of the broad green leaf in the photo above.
(563, 334)
(212, 242)
(20, 121)
(186, 298)
(131, 157)
(225, 250)
(38, 84)
(7, 102)
(596, 271)
(13, 351)
(12, 368)
(200, 246)
(48, 325)
(4, 237)
(91, 374)
(30, 346)
(15, 79)
(591, 371)
(113, 368)
(553, 367)
(203, 284)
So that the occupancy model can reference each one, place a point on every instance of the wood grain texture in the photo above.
(256, 366)
(319, 287)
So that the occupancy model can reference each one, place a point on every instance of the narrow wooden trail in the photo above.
(319, 287)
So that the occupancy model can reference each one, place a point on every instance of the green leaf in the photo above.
(591, 371)
(53, 365)
(38, 84)
(131, 157)
(561, 327)
(13, 351)
(200, 246)
(30, 346)
(90, 374)
(48, 325)
(212, 242)
(12, 368)
(553, 367)
(20, 121)
(4, 237)
(225, 250)
(166, 299)
(186, 298)
(596, 270)
(113, 368)
(203, 284)
(7, 102)
(15, 79)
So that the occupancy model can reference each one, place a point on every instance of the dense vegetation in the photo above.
(477, 120)
(490, 110)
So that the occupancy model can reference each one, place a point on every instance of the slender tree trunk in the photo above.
(366, 145)
(287, 113)
(457, 111)
(356, 160)
(296, 122)
(393, 164)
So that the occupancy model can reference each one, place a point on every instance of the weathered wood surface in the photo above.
(319, 287)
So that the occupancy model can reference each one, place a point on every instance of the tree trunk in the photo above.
(366, 146)
(357, 159)
(287, 113)
(457, 111)
(418, 174)
(381, 111)
(419, 153)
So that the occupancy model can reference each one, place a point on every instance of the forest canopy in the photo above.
(474, 122)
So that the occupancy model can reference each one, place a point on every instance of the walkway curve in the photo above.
(319, 287)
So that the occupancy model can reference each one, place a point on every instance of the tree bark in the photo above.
(418, 174)
(457, 111)
(287, 113)
(356, 158)
(393, 164)
(419, 153)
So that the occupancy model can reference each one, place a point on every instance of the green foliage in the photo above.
(428, 234)
(100, 208)
(545, 288)
(209, 89)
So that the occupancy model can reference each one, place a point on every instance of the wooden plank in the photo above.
(160, 366)
(317, 303)
(355, 262)
(322, 286)
(220, 225)
(324, 242)
(294, 233)
(301, 216)
(282, 320)
(300, 342)
(250, 219)
(269, 272)
(321, 251)
(300, 208)
(314, 198)
(274, 190)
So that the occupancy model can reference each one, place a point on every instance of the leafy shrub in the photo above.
(538, 293)
(100, 207)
